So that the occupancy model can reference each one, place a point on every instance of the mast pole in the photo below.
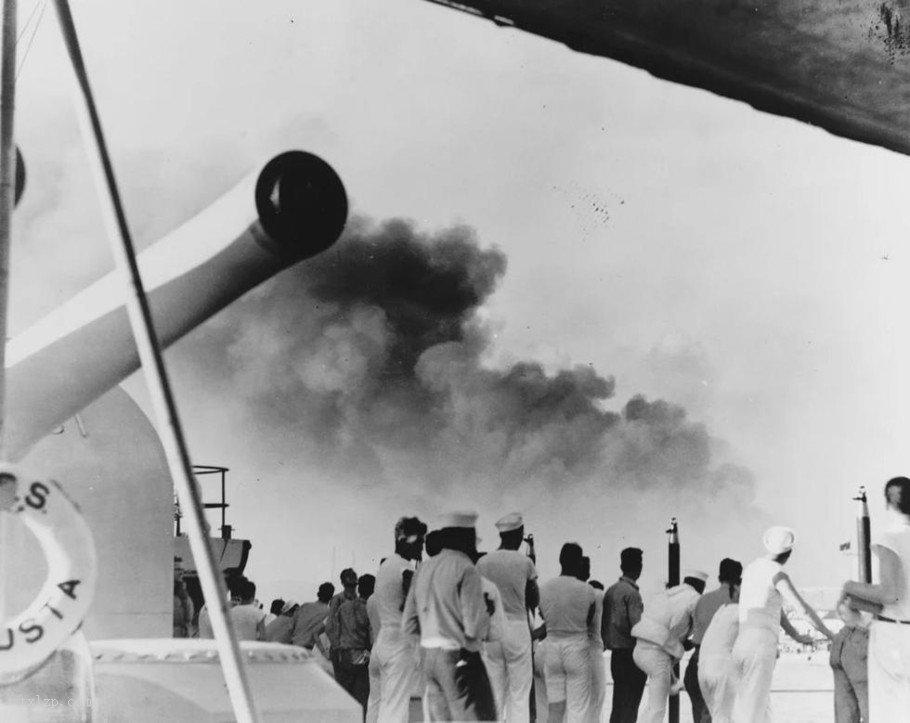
(7, 201)
(162, 397)
(673, 553)
(863, 539)
(672, 581)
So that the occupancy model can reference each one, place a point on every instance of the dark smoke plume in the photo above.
(368, 361)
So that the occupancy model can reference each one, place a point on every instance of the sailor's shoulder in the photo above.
(713, 599)
(895, 536)
(504, 559)
(393, 565)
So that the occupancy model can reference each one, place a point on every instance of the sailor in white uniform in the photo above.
(596, 646)
(395, 658)
(761, 617)
(447, 609)
(659, 636)
(567, 606)
(375, 674)
(716, 660)
(497, 627)
(508, 661)
(889, 634)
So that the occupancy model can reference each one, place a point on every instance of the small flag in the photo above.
(844, 546)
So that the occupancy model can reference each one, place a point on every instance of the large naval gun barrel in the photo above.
(85, 347)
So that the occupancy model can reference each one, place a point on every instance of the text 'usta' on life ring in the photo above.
(30, 638)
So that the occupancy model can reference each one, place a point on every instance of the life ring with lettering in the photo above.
(30, 638)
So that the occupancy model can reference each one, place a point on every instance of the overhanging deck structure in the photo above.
(842, 65)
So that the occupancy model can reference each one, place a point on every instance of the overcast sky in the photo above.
(747, 267)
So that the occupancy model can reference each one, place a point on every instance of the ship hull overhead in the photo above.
(842, 65)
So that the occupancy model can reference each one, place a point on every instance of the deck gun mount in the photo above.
(72, 361)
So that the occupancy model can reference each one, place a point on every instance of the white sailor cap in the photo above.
(510, 522)
(697, 574)
(289, 605)
(778, 539)
(460, 518)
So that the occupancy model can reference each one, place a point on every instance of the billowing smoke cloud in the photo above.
(371, 362)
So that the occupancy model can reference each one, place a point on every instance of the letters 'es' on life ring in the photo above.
(30, 638)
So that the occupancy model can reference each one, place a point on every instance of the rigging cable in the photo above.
(31, 38)
(28, 21)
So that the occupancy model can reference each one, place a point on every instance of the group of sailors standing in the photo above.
(459, 626)
(470, 615)
(734, 631)
(474, 635)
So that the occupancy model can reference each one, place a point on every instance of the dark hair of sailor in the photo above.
(630, 560)
(584, 569)
(246, 590)
(783, 557)
(512, 539)
(366, 585)
(460, 539)
(348, 577)
(897, 493)
(326, 591)
(409, 537)
(570, 558)
(731, 571)
(432, 543)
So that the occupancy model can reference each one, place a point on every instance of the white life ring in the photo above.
(30, 638)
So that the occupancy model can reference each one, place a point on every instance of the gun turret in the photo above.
(110, 461)
(85, 347)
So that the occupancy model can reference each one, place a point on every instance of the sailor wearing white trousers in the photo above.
(595, 647)
(889, 671)
(567, 671)
(449, 611)
(496, 633)
(539, 654)
(716, 661)
(598, 667)
(754, 658)
(394, 664)
(889, 634)
(761, 617)
(509, 660)
(375, 690)
(508, 664)
(665, 624)
(397, 666)
(657, 664)
(567, 608)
